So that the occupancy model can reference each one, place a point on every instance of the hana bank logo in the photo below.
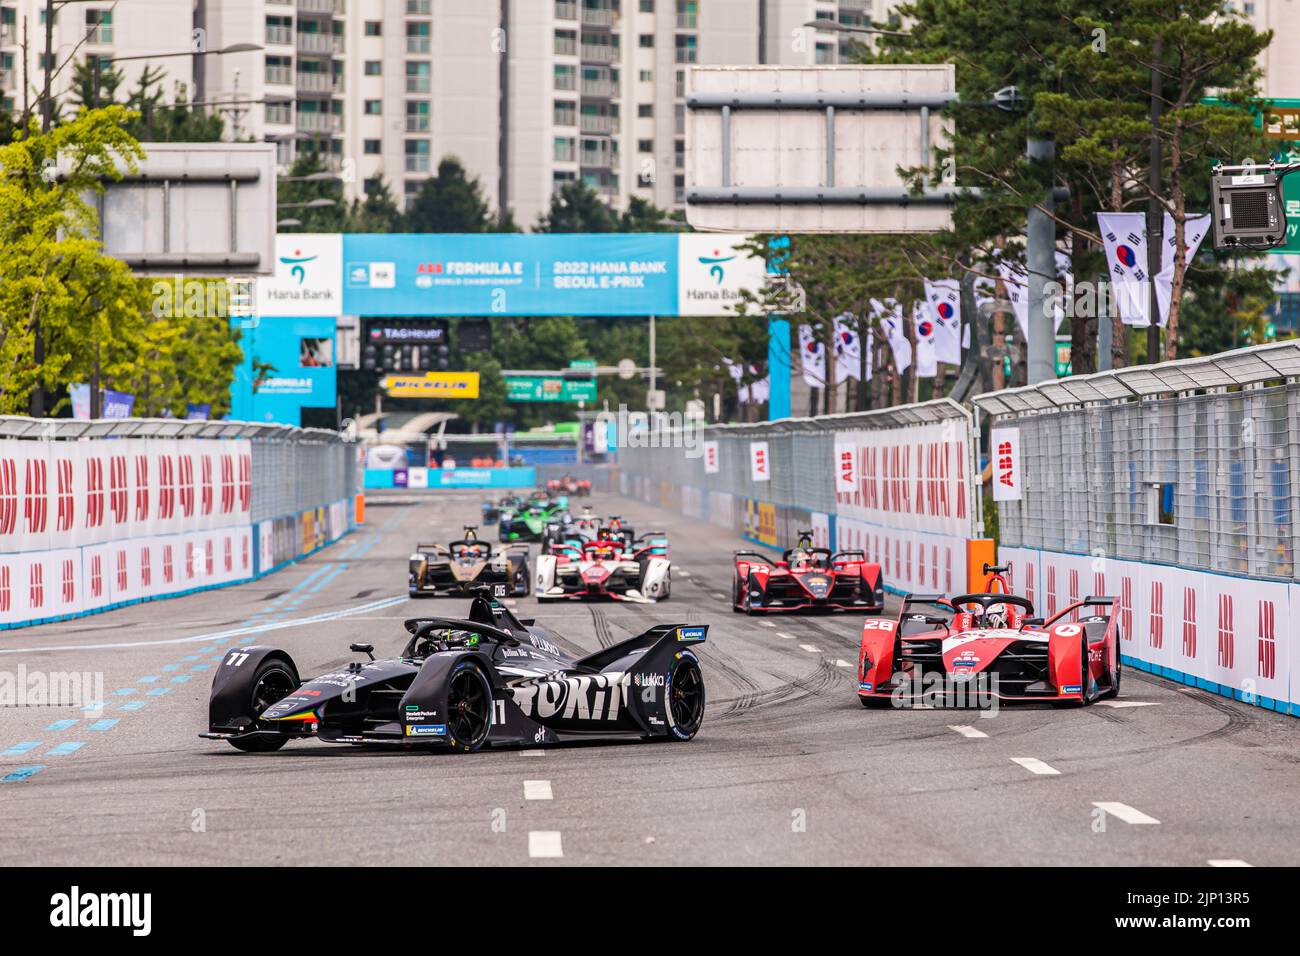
(297, 261)
(715, 263)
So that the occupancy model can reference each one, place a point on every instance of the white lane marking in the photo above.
(544, 843)
(986, 714)
(532, 753)
(683, 572)
(1122, 811)
(537, 790)
(784, 636)
(966, 730)
(1034, 765)
(1128, 703)
(767, 624)
(222, 635)
(811, 648)
(840, 662)
(719, 597)
(1229, 863)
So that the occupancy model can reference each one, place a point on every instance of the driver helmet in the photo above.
(995, 616)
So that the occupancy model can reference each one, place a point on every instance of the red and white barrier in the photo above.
(88, 525)
(1235, 635)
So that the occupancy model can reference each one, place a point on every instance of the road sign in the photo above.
(433, 385)
(626, 369)
(583, 364)
(194, 208)
(816, 149)
(531, 388)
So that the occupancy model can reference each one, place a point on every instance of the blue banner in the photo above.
(496, 274)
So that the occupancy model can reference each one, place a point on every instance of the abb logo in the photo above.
(94, 493)
(1266, 666)
(141, 487)
(206, 484)
(1189, 622)
(166, 487)
(1126, 606)
(117, 495)
(207, 558)
(185, 484)
(1074, 588)
(1098, 582)
(189, 559)
(1225, 631)
(37, 589)
(227, 484)
(96, 576)
(8, 495)
(243, 555)
(36, 505)
(1157, 616)
(1029, 582)
(146, 572)
(121, 572)
(934, 566)
(69, 582)
(245, 482)
(169, 571)
(67, 503)
(228, 556)
(6, 596)
(1051, 590)
(909, 561)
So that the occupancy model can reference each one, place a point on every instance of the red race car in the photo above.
(806, 579)
(973, 648)
(569, 485)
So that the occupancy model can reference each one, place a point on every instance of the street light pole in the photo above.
(1040, 254)
(1155, 218)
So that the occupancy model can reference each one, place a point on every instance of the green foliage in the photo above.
(577, 208)
(90, 308)
(451, 201)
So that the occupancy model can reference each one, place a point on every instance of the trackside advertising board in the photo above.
(537, 274)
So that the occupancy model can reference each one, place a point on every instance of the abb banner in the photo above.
(91, 524)
(1227, 634)
(56, 495)
(917, 478)
(914, 561)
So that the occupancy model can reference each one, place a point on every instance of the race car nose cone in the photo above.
(595, 575)
(818, 585)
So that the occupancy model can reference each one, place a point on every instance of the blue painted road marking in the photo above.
(63, 749)
(106, 724)
(21, 748)
(61, 725)
(134, 705)
(22, 773)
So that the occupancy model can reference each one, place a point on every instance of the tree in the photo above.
(451, 201)
(641, 215)
(490, 407)
(53, 272)
(296, 188)
(577, 208)
(378, 212)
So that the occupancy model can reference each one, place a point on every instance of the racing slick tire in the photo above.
(469, 707)
(523, 580)
(684, 699)
(272, 681)
(1117, 677)
(875, 703)
(735, 597)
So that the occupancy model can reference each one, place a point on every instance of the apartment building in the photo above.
(528, 94)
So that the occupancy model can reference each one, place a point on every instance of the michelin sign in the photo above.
(575, 274)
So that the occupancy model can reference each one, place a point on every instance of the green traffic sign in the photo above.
(529, 388)
(583, 363)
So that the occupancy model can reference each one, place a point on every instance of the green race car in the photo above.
(530, 523)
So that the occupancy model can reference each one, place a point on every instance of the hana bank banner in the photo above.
(510, 274)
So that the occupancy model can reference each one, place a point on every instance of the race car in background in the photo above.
(530, 522)
(607, 568)
(488, 680)
(806, 578)
(990, 645)
(462, 566)
(493, 511)
(569, 485)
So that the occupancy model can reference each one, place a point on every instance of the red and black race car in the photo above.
(973, 648)
(569, 485)
(806, 579)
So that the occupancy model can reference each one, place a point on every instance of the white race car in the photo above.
(606, 569)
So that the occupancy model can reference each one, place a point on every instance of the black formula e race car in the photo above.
(459, 568)
(490, 679)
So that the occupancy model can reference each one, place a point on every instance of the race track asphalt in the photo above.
(787, 769)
